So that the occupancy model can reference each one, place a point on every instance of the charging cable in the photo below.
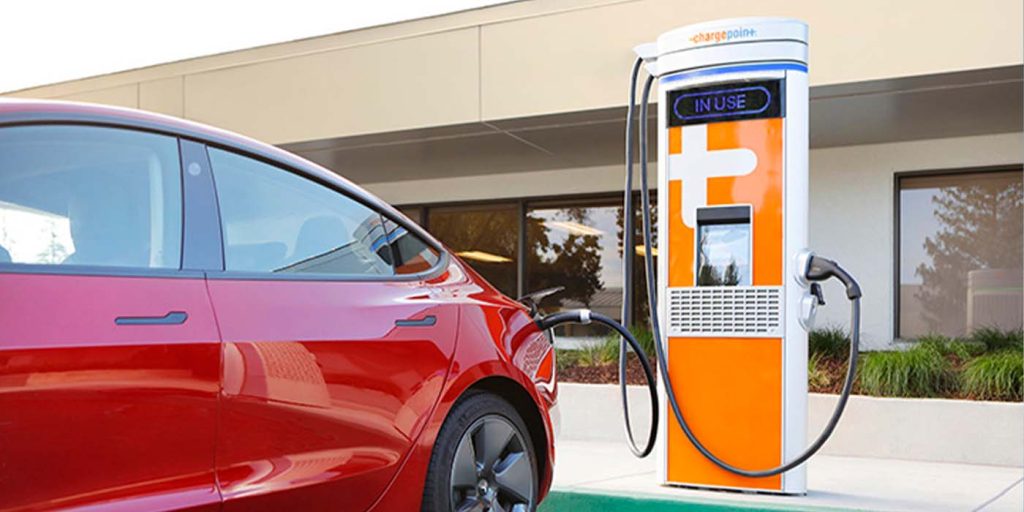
(586, 316)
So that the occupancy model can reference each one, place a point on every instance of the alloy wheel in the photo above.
(492, 470)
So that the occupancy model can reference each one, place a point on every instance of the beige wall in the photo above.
(851, 205)
(528, 58)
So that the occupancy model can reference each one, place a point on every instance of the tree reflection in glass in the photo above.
(724, 255)
(960, 253)
(485, 237)
(577, 247)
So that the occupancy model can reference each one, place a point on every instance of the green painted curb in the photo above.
(560, 501)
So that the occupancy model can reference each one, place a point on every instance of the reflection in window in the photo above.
(77, 195)
(579, 247)
(28, 235)
(485, 237)
(960, 253)
(411, 255)
(724, 255)
(276, 221)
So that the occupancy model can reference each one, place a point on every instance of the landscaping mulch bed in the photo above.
(605, 373)
(835, 370)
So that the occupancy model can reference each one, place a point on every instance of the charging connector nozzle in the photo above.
(820, 269)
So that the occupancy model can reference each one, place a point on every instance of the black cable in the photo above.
(628, 227)
(586, 316)
(628, 242)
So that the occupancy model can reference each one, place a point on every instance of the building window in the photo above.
(579, 245)
(484, 236)
(959, 260)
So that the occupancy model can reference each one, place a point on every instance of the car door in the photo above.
(109, 352)
(336, 348)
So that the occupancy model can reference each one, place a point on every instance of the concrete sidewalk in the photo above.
(846, 483)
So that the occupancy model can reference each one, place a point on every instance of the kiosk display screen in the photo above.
(723, 246)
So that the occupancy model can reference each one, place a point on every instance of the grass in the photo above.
(608, 350)
(594, 354)
(817, 377)
(996, 339)
(646, 339)
(566, 359)
(959, 348)
(921, 371)
(987, 365)
(997, 376)
(605, 352)
(831, 342)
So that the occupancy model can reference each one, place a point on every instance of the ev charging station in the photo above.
(737, 288)
(732, 170)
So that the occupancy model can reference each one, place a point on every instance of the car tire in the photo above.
(483, 459)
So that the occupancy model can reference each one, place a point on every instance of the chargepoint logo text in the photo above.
(721, 36)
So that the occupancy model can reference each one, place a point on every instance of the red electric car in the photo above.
(190, 319)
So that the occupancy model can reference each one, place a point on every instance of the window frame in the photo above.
(223, 273)
(105, 270)
(898, 177)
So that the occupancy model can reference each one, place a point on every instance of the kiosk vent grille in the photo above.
(725, 311)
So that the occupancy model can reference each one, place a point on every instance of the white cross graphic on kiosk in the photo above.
(696, 164)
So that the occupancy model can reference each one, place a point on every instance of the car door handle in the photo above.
(426, 321)
(171, 318)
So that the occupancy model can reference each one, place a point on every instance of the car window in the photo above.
(85, 195)
(278, 222)
(411, 254)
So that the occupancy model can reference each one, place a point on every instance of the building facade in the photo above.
(501, 130)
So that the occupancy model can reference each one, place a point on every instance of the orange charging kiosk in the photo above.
(733, 181)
